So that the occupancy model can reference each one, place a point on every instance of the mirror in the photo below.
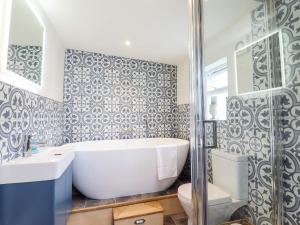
(25, 45)
(254, 68)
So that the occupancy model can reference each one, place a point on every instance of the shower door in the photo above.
(245, 63)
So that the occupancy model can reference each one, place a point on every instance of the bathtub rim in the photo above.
(91, 146)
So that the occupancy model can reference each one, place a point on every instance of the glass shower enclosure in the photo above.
(245, 78)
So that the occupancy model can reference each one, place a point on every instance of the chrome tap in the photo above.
(1, 153)
(127, 133)
(27, 146)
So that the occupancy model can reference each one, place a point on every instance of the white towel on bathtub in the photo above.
(166, 161)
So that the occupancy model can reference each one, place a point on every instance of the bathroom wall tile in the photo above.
(209, 133)
(259, 23)
(110, 97)
(183, 121)
(249, 133)
(288, 19)
(222, 135)
(26, 61)
(249, 127)
(182, 131)
(21, 113)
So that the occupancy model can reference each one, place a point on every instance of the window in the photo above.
(216, 82)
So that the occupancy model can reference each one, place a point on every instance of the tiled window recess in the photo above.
(109, 97)
(26, 61)
(22, 112)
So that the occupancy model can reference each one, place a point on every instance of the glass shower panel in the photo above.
(260, 42)
(287, 14)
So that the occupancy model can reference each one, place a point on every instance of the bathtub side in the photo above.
(110, 174)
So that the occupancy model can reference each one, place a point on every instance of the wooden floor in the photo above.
(173, 214)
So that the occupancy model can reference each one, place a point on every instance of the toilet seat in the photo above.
(216, 196)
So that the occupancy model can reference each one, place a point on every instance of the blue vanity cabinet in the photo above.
(37, 203)
(63, 198)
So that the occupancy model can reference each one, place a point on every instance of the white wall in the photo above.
(53, 67)
(183, 82)
(224, 45)
(25, 28)
(244, 66)
(220, 46)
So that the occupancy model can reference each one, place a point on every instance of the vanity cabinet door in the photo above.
(63, 197)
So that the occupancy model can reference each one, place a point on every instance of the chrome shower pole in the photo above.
(198, 153)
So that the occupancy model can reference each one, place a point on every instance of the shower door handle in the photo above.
(210, 134)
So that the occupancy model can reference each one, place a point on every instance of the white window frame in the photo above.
(212, 70)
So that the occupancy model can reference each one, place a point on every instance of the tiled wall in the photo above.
(183, 132)
(288, 19)
(246, 131)
(26, 61)
(22, 112)
(249, 132)
(109, 97)
(183, 121)
(249, 127)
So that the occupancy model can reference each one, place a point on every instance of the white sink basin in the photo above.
(49, 164)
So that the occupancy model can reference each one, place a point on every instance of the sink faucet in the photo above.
(27, 146)
(128, 132)
(147, 128)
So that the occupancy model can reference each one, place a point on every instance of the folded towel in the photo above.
(166, 161)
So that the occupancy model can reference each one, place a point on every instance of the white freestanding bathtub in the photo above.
(116, 168)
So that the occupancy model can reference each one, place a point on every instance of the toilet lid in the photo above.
(216, 195)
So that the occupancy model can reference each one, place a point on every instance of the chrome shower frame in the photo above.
(198, 152)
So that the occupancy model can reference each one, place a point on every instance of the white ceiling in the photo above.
(157, 29)
(219, 15)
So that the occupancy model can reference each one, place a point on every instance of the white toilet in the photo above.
(229, 191)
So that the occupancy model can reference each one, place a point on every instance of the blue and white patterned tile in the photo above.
(102, 91)
(22, 113)
(256, 140)
(26, 61)
(288, 19)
